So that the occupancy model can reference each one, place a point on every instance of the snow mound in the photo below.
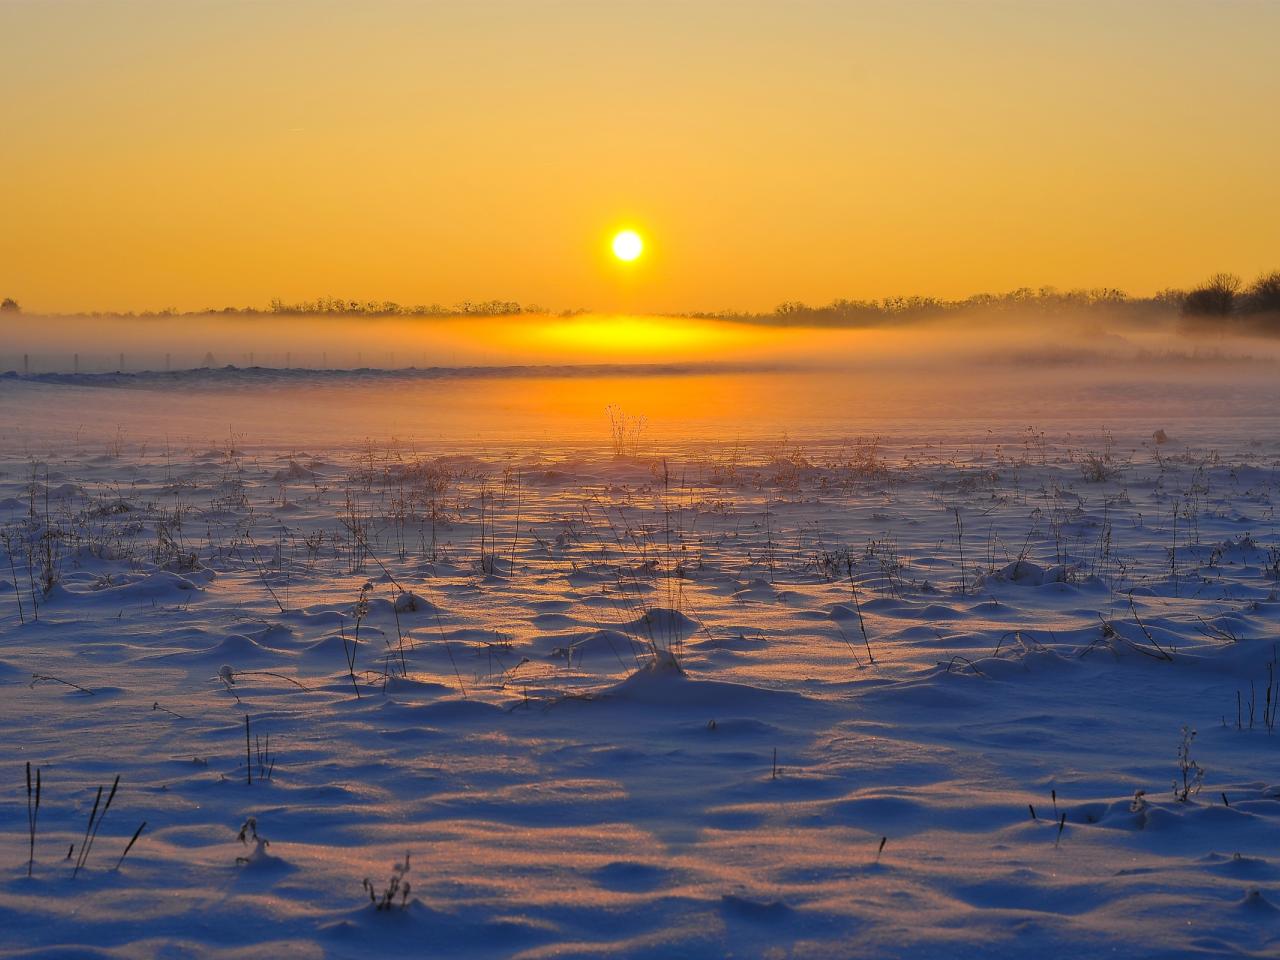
(1255, 903)
(1025, 573)
(746, 908)
(662, 681)
(239, 649)
(405, 602)
(759, 591)
(607, 643)
(661, 624)
(160, 585)
(295, 471)
(410, 602)
(8, 672)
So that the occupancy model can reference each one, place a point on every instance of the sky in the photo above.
(209, 153)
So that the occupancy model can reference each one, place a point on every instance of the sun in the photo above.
(627, 245)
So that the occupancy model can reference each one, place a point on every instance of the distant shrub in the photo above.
(10, 305)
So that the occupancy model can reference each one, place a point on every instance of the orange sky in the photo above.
(205, 152)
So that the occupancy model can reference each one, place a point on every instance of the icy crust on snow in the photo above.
(912, 698)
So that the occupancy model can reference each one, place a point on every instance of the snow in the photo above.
(915, 698)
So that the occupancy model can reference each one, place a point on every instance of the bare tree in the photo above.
(1216, 297)
(1263, 295)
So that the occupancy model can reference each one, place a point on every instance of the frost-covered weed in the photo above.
(397, 885)
(1191, 774)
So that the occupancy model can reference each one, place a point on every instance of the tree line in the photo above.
(1225, 295)
(1222, 302)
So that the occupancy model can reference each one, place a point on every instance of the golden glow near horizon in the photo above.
(614, 338)
(627, 245)
(193, 155)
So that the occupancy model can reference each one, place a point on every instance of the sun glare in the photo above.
(632, 338)
(627, 245)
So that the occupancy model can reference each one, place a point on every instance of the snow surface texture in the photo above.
(919, 697)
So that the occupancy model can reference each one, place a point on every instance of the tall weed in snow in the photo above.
(1190, 773)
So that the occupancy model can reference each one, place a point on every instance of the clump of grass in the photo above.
(397, 885)
(96, 816)
(1099, 465)
(625, 431)
(92, 827)
(1270, 703)
(265, 760)
(645, 552)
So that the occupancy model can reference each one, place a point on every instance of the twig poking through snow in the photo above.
(853, 588)
(43, 678)
(33, 815)
(1161, 653)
